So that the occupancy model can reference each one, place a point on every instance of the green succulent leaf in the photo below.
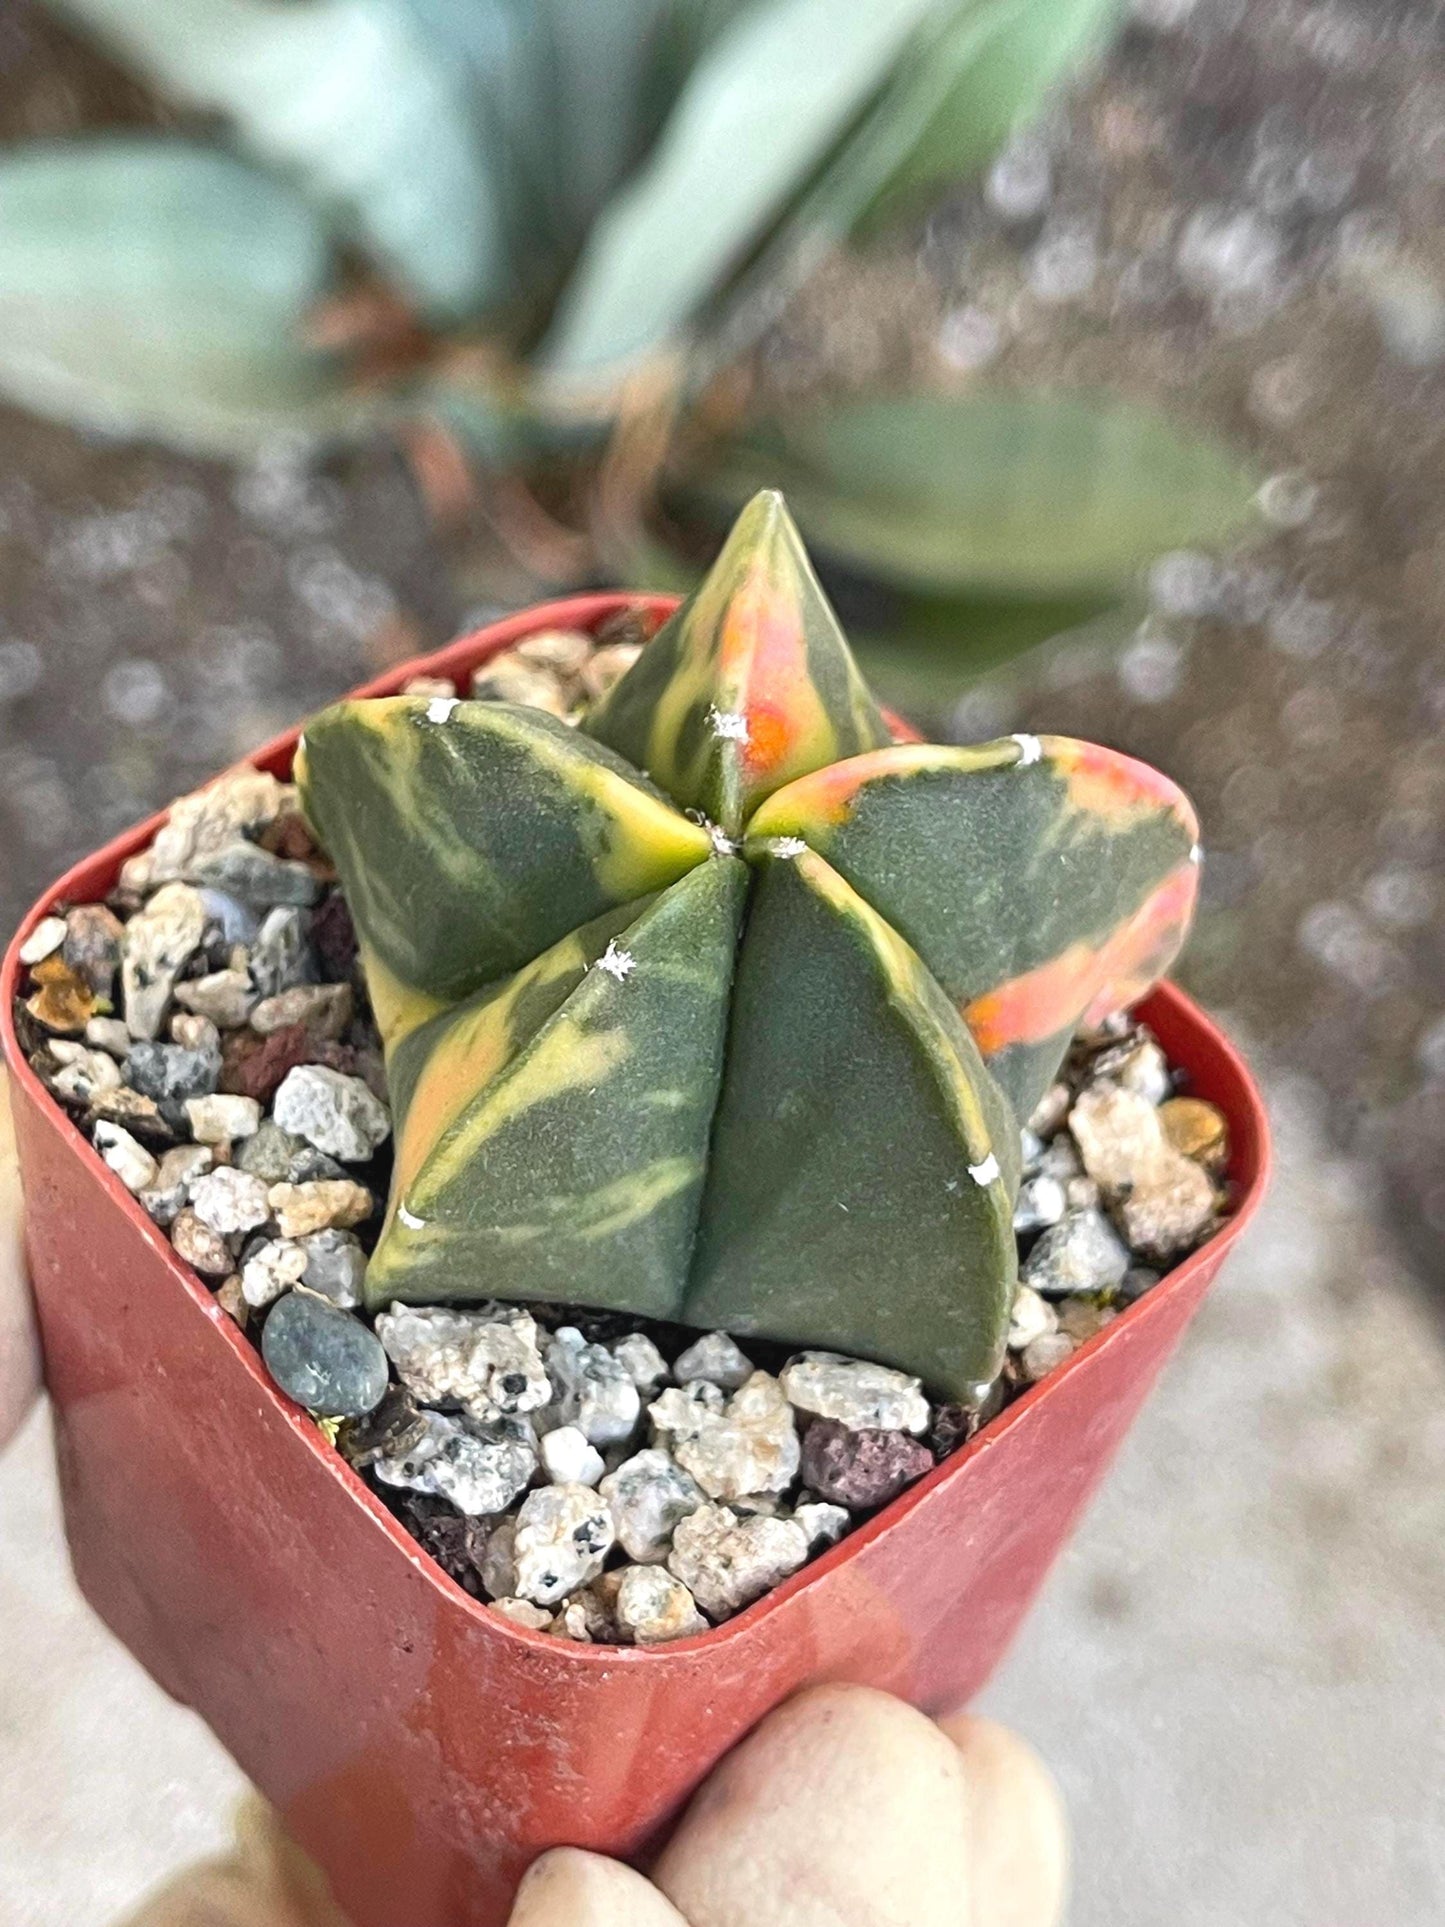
(993, 494)
(355, 101)
(750, 684)
(502, 829)
(154, 288)
(964, 95)
(860, 1190)
(1059, 884)
(919, 650)
(554, 1142)
(768, 98)
(879, 149)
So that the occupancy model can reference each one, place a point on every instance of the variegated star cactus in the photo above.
(725, 1006)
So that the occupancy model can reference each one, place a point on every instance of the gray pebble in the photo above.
(253, 875)
(1041, 1202)
(269, 1153)
(716, 1358)
(157, 943)
(335, 1266)
(322, 1357)
(1082, 1253)
(281, 956)
(170, 1073)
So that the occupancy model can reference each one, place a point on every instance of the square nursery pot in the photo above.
(422, 1749)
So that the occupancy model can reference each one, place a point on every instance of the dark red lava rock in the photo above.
(860, 1469)
(334, 937)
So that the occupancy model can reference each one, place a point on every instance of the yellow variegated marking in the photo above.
(562, 1057)
(599, 1214)
(470, 1054)
(399, 1008)
(909, 986)
(657, 844)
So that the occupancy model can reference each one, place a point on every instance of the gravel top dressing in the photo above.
(597, 1476)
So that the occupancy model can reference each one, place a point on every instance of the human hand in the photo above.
(19, 1348)
(845, 1808)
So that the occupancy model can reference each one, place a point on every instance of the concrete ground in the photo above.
(1236, 1671)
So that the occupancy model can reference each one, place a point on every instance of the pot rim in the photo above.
(1166, 1007)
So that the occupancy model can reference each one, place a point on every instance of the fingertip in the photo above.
(1018, 1826)
(569, 1887)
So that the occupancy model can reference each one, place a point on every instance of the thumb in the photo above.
(569, 1888)
(1018, 1832)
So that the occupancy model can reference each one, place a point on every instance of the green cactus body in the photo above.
(724, 1008)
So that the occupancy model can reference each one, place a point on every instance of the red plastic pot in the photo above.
(420, 1748)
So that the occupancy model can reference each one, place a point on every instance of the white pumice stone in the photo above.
(220, 1119)
(131, 1162)
(1032, 1317)
(229, 1201)
(751, 1446)
(1136, 1064)
(591, 1389)
(499, 1567)
(643, 1363)
(155, 946)
(340, 1115)
(573, 1621)
(207, 820)
(564, 1533)
(1042, 1201)
(226, 997)
(169, 1189)
(1050, 1111)
(82, 1072)
(325, 1010)
(521, 1612)
(716, 1359)
(273, 1268)
(824, 1524)
(44, 940)
(727, 1562)
(653, 1606)
(568, 1458)
(860, 1395)
(485, 1360)
(681, 1410)
(1044, 1354)
(649, 1493)
(478, 1468)
(108, 1034)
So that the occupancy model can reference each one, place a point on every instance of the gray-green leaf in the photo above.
(355, 100)
(1003, 494)
(154, 288)
(768, 98)
(997, 85)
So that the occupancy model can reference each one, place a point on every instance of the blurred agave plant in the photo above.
(548, 226)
